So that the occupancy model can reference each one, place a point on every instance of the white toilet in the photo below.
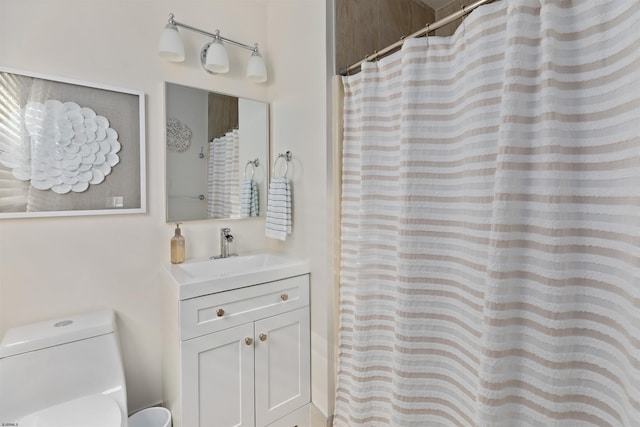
(63, 373)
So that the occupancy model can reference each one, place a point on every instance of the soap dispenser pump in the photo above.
(177, 246)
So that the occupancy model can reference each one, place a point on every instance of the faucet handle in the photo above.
(225, 234)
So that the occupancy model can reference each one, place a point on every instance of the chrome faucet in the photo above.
(225, 238)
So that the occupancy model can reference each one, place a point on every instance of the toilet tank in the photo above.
(52, 362)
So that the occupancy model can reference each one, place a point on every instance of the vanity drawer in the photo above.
(214, 312)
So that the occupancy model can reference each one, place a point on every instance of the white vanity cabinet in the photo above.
(240, 357)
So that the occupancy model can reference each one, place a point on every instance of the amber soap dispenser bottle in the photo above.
(177, 246)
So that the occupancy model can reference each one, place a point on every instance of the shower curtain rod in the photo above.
(429, 27)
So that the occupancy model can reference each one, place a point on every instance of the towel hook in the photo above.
(254, 164)
(287, 158)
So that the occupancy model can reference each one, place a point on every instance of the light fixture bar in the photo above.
(213, 55)
(205, 33)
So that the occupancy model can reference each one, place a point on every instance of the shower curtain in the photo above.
(223, 183)
(491, 224)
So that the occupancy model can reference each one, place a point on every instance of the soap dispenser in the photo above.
(177, 246)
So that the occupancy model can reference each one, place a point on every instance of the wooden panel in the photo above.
(366, 26)
(447, 10)
(354, 40)
(223, 114)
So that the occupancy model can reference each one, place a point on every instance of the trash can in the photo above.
(151, 417)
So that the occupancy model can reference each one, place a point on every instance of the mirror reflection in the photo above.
(217, 155)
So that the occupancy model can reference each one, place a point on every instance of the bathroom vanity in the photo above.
(237, 342)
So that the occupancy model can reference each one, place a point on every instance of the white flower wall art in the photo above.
(66, 147)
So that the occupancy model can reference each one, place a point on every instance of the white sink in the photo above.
(195, 278)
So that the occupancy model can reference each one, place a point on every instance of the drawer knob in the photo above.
(263, 337)
(220, 312)
(248, 341)
(284, 297)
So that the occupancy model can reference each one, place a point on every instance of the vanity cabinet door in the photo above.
(218, 382)
(282, 365)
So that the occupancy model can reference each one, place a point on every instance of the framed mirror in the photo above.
(69, 147)
(217, 155)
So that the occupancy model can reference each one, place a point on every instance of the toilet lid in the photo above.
(90, 411)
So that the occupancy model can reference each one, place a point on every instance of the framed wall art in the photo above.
(69, 147)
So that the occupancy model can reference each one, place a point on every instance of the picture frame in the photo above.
(70, 147)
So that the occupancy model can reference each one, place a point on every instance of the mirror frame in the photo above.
(265, 164)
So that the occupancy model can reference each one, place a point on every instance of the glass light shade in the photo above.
(217, 60)
(256, 70)
(170, 46)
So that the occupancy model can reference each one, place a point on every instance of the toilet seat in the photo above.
(96, 410)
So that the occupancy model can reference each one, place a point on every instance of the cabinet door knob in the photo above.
(263, 337)
(248, 341)
(284, 297)
(220, 312)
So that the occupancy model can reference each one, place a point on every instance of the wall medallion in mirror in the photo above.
(217, 155)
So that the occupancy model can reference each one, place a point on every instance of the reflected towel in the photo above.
(249, 205)
(278, 223)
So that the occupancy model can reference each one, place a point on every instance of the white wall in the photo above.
(55, 266)
(298, 90)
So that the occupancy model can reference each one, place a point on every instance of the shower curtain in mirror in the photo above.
(223, 185)
(491, 224)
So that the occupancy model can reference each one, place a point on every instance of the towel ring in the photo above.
(275, 164)
(254, 164)
(287, 158)
(253, 171)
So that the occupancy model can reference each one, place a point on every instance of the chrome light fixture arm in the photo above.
(215, 35)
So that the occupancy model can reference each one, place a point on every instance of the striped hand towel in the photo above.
(279, 209)
(249, 205)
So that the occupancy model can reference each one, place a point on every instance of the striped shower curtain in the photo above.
(491, 224)
(223, 183)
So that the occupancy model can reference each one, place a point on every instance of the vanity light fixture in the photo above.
(213, 55)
